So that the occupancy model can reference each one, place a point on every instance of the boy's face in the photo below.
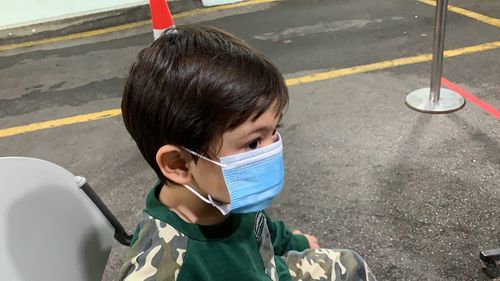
(252, 134)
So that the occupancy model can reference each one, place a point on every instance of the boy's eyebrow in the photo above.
(260, 129)
(264, 128)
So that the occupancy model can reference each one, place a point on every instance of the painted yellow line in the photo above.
(388, 64)
(467, 13)
(290, 82)
(127, 26)
(59, 122)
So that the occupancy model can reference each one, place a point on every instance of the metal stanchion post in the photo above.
(436, 99)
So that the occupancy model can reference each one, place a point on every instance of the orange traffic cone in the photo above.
(160, 16)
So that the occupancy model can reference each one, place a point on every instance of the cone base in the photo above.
(449, 101)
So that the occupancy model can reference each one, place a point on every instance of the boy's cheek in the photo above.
(219, 190)
(212, 182)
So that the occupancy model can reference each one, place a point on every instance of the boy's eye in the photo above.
(254, 144)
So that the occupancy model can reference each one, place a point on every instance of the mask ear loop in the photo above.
(205, 158)
(224, 208)
(208, 201)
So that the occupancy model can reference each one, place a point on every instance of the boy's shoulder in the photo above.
(158, 248)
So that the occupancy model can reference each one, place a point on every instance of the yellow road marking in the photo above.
(388, 64)
(127, 26)
(59, 122)
(467, 13)
(290, 82)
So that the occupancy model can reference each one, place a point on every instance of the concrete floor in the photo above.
(417, 195)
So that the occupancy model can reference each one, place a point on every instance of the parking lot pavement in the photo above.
(417, 195)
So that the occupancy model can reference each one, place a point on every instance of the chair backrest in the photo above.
(49, 229)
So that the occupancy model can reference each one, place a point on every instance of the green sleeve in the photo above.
(283, 239)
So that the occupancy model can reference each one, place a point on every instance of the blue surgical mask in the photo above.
(253, 178)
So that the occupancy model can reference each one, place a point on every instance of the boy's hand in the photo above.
(313, 241)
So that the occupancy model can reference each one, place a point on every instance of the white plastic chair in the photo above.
(52, 225)
(491, 260)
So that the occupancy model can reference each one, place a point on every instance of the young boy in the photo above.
(203, 108)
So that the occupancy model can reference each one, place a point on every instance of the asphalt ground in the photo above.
(417, 195)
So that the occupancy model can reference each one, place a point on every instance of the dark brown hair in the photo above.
(191, 85)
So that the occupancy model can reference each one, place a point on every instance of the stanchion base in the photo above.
(449, 101)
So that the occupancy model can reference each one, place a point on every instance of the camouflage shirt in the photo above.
(243, 247)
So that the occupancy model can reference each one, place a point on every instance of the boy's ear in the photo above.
(173, 164)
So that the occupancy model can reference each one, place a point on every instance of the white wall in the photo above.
(15, 13)
(218, 2)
